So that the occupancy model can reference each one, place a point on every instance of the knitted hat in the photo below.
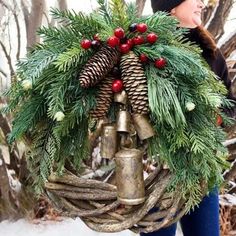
(164, 5)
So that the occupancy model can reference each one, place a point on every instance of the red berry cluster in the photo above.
(140, 39)
(159, 63)
(95, 43)
(119, 39)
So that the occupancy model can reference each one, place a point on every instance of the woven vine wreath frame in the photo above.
(68, 81)
(96, 203)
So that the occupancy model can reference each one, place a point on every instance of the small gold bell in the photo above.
(123, 121)
(143, 126)
(121, 97)
(108, 141)
(129, 176)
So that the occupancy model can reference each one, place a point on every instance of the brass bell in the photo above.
(121, 97)
(143, 126)
(108, 141)
(123, 121)
(128, 140)
(129, 176)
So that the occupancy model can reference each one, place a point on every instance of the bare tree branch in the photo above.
(14, 11)
(229, 45)
(25, 12)
(18, 32)
(47, 19)
(207, 13)
(3, 73)
(14, 152)
(8, 57)
(6, 5)
(216, 25)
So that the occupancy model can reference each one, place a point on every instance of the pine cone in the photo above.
(104, 98)
(135, 83)
(98, 66)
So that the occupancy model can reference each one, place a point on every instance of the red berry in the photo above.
(85, 44)
(130, 43)
(142, 27)
(152, 38)
(117, 85)
(160, 63)
(219, 120)
(113, 41)
(138, 40)
(143, 58)
(125, 48)
(119, 33)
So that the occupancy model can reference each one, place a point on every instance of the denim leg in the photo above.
(168, 231)
(204, 220)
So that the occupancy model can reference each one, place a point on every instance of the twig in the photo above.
(8, 58)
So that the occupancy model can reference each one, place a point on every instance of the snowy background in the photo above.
(68, 227)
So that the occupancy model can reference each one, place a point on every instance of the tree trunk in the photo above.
(33, 20)
(7, 197)
(217, 22)
(13, 152)
(62, 4)
(140, 6)
(229, 45)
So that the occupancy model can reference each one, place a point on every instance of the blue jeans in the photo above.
(203, 221)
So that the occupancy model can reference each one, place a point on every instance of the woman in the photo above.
(204, 220)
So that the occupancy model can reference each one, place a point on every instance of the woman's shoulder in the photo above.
(204, 40)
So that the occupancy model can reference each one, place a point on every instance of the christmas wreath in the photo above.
(109, 91)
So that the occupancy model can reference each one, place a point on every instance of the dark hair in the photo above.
(204, 39)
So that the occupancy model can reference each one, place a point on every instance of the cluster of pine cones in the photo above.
(98, 72)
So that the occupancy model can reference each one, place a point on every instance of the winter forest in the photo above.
(20, 21)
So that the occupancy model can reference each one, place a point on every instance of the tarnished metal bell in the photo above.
(108, 141)
(143, 126)
(128, 140)
(129, 176)
(121, 97)
(123, 121)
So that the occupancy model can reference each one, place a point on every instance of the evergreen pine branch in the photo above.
(163, 25)
(15, 96)
(163, 100)
(27, 117)
(105, 11)
(118, 8)
(84, 25)
(56, 93)
(42, 154)
(72, 57)
(59, 38)
(39, 60)
(81, 144)
(131, 12)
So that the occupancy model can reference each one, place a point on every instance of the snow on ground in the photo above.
(68, 227)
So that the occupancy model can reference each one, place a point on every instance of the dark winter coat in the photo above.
(213, 56)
